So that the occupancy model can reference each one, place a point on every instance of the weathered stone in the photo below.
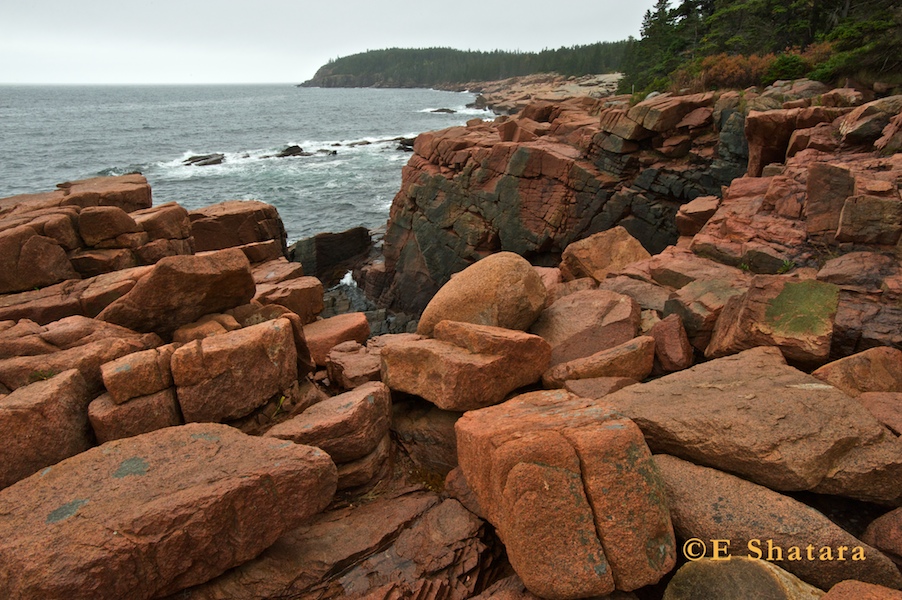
(664, 111)
(363, 473)
(870, 220)
(325, 334)
(235, 223)
(348, 426)
(699, 304)
(180, 289)
(88, 357)
(886, 408)
(112, 421)
(753, 415)
(874, 370)
(865, 124)
(828, 187)
(146, 516)
(98, 224)
(44, 422)
(425, 434)
(276, 271)
(858, 590)
(587, 322)
(138, 374)
(633, 359)
(206, 326)
(672, 348)
(400, 545)
(795, 316)
(466, 366)
(597, 387)
(128, 192)
(329, 255)
(739, 578)
(861, 271)
(692, 216)
(29, 260)
(501, 290)
(572, 491)
(648, 295)
(90, 263)
(303, 296)
(762, 524)
(164, 222)
(227, 376)
(600, 254)
(885, 534)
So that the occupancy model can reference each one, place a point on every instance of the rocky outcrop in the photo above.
(235, 223)
(753, 415)
(124, 520)
(553, 175)
(574, 494)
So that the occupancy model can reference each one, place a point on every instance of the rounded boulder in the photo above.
(501, 290)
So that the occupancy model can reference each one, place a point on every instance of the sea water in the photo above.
(52, 134)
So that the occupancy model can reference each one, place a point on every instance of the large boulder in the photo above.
(501, 290)
(753, 415)
(143, 414)
(874, 370)
(737, 579)
(180, 289)
(29, 260)
(70, 343)
(325, 334)
(147, 516)
(602, 253)
(405, 544)
(756, 522)
(348, 426)
(235, 223)
(573, 492)
(587, 322)
(138, 374)
(633, 359)
(44, 422)
(465, 366)
(227, 376)
(795, 316)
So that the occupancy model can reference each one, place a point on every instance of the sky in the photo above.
(275, 41)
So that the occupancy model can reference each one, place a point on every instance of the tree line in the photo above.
(695, 44)
(428, 67)
(737, 43)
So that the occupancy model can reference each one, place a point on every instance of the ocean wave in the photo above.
(459, 110)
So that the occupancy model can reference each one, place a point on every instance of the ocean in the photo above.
(52, 134)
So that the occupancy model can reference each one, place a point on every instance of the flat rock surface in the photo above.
(709, 504)
(150, 515)
(753, 415)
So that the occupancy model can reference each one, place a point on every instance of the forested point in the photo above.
(683, 45)
(429, 67)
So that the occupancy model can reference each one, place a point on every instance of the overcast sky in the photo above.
(275, 41)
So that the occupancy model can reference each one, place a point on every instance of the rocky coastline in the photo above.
(673, 335)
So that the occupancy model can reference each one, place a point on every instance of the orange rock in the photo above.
(796, 316)
(753, 518)
(600, 254)
(47, 421)
(180, 289)
(227, 376)
(29, 260)
(874, 370)
(324, 335)
(886, 408)
(124, 519)
(466, 366)
(348, 426)
(138, 374)
(112, 421)
(501, 290)
(235, 223)
(587, 322)
(633, 359)
(672, 348)
(302, 296)
(572, 491)
(859, 590)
